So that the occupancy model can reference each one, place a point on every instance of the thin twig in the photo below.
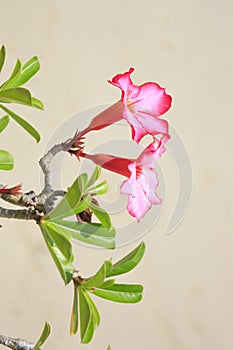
(16, 343)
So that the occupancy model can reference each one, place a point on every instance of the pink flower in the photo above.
(143, 105)
(139, 105)
(142, 179)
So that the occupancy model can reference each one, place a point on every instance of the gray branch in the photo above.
(45, 162)
(22, 200)
(43, 202)
(23, 214)
(15, 343)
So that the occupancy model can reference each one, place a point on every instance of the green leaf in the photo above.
(102, 215)
(94, 310)
(44, 336)
(109, 347)
(63, 264)
(108, 265)
(16, 72)
(94, 177)
(86, 318)
(107, 284)
(99, 189)
(74, 315)
(97, 279)
(2, 57)
(17, 95)
(121, 293)
(91, 233)
(6, 160)
(4, 121)
(129, 262)
(70, 201)
(81, 206)
(28, 71)
(84, 179)
(29, 128)
(37, 103)
(62, 242)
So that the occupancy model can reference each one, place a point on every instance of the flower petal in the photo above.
(143, 123)
(138, 206)
(152, 152)
(124, 82)
(109, 162)
(109, 116)
(154, 98)
(149, 183)
(138, 203)
(140, 188)
(137, 131)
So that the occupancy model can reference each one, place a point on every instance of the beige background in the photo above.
(188, 276)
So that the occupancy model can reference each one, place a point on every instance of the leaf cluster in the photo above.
(11, 91)
(58, 233)
(101, 285)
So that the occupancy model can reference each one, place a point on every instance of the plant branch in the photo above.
(45, 162)
(25, 214)
(43, 202)
(23, 200)
(15, 343)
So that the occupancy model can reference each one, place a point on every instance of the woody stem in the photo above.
(15, 343)
(45, 164)
(21, 214)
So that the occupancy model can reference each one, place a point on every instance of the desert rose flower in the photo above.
(140, 106)
(143, 105)
(142, 179)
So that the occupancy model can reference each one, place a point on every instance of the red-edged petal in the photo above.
(153, 98)
(152, 152)
(124, 82)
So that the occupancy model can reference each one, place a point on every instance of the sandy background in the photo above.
(188, 276)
